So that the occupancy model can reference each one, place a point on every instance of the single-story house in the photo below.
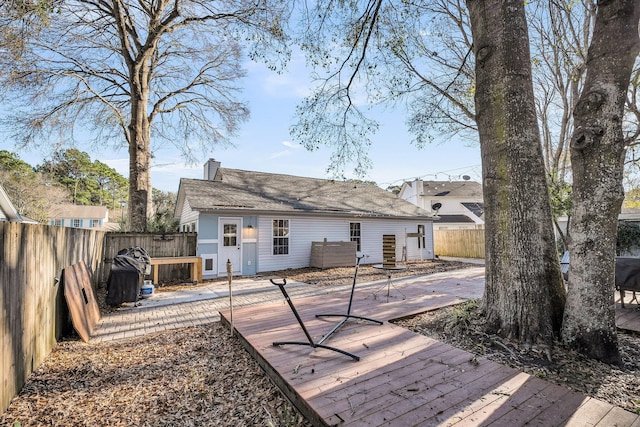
(266, 222)
(458, 205)
(79, 216)
(8, 212)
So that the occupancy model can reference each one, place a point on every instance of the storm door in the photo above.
(230, 247)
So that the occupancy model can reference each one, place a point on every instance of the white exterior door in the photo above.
(230, 247)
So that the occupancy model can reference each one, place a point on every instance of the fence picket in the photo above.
(32, 257)
(459, 243)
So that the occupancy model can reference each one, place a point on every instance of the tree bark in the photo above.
(597, 156)
(524, 293)
(139, 165)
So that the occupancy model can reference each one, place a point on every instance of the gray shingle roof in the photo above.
(452, 189)
(454, 219)
(254, 192)
(78, 211)
(476, 208)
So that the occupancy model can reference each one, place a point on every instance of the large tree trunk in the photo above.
(597, 156)
(139, 165)
(524, 294)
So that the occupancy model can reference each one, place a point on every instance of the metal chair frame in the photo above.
(348, 315)
(310, 341)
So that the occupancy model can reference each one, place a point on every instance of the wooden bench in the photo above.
(194, 261)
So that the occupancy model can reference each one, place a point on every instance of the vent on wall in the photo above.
(209, 264)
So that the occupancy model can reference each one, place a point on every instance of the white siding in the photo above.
(188, 215)
(412, 192)
(303, 231)
(373, 229)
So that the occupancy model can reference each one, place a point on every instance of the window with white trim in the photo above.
(230, 235)
(95, 223)
(57, 222)
(355, 234)
(421, 238)
(281, 237)
(76, 223)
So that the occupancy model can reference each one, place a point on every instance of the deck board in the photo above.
(403, 378)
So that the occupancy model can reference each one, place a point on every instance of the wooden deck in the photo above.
(403, 378)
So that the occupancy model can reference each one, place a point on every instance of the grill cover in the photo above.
(127, 276)
(628, 273)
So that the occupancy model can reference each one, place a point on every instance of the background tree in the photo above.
(631, 123)
(30, 192)
(597, 156)
(89, 182)
(395, 189)
(72, 168)
(120, 71)
(111, 186)
(628, 238)
(632, 191)
(163, 219)
(374, 53)
(560, 34)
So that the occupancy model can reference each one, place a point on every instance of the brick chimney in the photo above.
(210, 169)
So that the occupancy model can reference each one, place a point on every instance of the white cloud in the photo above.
(294, 82)
(287, 85)
(290, 144)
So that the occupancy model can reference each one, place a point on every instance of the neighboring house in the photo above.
(79, 216)
(7, 211)
(266, 222)
(629, 214)
(626, 214)
(459, 205)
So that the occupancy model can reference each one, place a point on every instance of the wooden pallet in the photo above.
(388, 250)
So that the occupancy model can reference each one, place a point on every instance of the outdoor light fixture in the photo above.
(250, 227)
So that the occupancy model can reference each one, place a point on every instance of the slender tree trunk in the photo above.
(597, 156)
(524, 293)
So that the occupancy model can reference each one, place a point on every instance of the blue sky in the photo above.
(264, 144)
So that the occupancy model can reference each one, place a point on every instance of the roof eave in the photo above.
(237, 211)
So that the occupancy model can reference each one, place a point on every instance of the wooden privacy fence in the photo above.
(459, 243)
(156, 245)
(34, 312)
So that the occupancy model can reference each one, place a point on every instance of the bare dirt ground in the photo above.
(185, 377)
(203, 377)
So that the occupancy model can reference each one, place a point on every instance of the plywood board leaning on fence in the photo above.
(81, 300)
